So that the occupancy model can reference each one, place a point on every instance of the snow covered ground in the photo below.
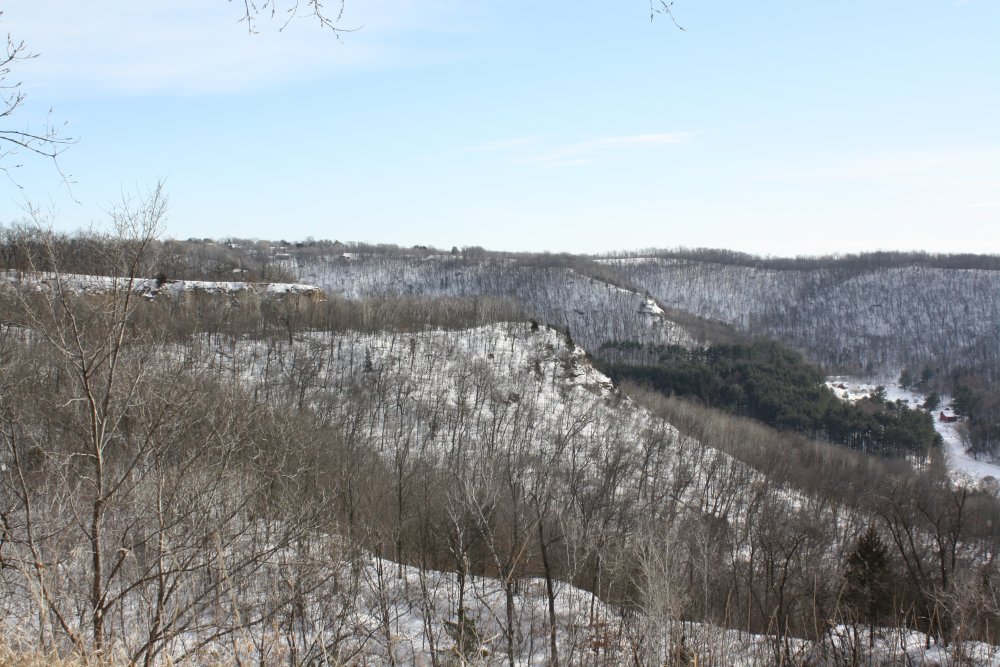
(410, 614)
(958, 461)
(149, 286)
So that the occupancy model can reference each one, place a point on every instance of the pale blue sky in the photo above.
(776, 128)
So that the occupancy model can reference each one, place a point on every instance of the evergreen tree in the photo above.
(867, 581)
(965, 399)
(926, 375)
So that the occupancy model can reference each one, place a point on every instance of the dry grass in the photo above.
(10, 658)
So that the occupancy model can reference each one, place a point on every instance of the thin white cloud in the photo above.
(200, 46)
(588, 152)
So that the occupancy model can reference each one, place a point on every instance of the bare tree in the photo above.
(142, 501)
(47, 141)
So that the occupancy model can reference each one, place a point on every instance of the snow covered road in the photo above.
(956, 459)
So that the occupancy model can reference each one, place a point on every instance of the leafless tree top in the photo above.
(288, 10)
(47, 141)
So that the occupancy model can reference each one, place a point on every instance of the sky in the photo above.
(782, 128)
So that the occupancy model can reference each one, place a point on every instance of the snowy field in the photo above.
(149, 287)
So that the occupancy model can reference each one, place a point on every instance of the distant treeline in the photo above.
(853, 262)
(24, 248)
(773, 384)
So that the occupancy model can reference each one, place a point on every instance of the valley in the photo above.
(371, 455)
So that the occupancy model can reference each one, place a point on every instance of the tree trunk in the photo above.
(550, 593)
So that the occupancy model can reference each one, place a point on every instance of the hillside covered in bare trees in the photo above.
(325, 453)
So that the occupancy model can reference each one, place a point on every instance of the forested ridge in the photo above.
(766, 381)
(419, 463)
(848, 263)
(935, 316)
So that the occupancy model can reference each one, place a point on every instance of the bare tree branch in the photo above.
(48, 142)
(663, 7)
(288, 10)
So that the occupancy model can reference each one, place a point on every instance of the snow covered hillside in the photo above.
(388, 477)
(465, 397)
(876, 319)
(594, 310)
